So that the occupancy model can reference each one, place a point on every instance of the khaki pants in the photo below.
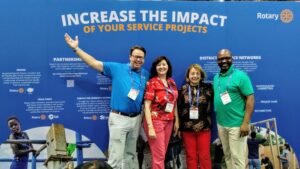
(234, 147)
(123, 132)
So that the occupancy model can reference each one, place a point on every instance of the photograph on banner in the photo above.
(47, 142)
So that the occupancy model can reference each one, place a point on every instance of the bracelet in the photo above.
(75, 50)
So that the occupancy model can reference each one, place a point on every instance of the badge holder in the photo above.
(225, 98)
(133, 93)
(169, 107)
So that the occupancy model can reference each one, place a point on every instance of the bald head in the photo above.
(224, 52)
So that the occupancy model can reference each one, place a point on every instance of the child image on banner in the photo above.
(20, 150)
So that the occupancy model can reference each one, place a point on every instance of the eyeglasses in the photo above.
(138, 57)
(224, 58)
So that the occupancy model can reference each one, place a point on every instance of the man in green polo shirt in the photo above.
(234, 103)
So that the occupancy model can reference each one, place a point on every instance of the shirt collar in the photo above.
(134, 70)
(229, 71)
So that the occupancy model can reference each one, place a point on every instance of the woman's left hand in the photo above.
(176, 127)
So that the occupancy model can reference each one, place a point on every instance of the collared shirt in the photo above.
(123, 79)
(157, 93)
(204, 105)
(238, 85)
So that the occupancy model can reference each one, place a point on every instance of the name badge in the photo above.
(169, 107)
(133, 93)
(225, 98)
(194, 113)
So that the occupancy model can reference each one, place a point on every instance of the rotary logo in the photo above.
(43, 117)
(286, 16)
(21, 90)
(94, 117)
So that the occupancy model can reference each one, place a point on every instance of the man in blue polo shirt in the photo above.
(234, 103)
(128, 84)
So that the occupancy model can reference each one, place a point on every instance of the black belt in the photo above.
(125, 114)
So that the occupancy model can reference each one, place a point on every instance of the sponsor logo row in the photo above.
(53, 117)
(45, 117)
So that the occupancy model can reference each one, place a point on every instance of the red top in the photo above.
(160, 96)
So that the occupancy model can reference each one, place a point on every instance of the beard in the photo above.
(224, 66)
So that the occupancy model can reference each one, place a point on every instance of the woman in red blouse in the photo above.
(160, 109)
(194, 110)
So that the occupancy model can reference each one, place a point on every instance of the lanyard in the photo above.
(197, 96)
(166, 89)
(131, 79)
(228, 81)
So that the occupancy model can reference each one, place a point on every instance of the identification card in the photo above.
(133, 93)
(169, 107)
(225, 98)
(194, 113)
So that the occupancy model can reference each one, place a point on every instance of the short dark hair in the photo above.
(137, 47)
(13, 118)
(253, 134)
(267, 159)
(287, 146)
(153, 72)
(96, 164)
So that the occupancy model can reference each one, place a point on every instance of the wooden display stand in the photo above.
(57, 156)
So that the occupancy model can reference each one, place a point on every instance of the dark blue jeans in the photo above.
(254, 163)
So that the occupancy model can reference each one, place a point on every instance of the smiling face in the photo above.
(137, 59)
(224, 60)
(14, 125)
(162, 68)
(194, 76)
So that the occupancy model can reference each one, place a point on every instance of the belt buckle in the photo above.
(116, 112)
(131, 115)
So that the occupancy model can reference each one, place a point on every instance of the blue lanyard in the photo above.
(197, 96)
(131, 79)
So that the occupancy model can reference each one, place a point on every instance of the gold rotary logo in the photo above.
(94, 117)
(43, 116)
(286, 16)
(21, 90)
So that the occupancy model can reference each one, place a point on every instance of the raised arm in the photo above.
(88, 59)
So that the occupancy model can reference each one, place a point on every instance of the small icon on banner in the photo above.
(30, 90)
(21, 90)
(43, 116)
(286, 16)
(94, 117)
(70, 83)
